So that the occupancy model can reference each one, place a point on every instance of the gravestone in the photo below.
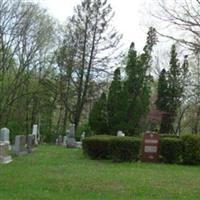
(35, 133)
(20, 147)
(59, 140)
(5, 156)
(65, 140)
(120, 134)
(30, 143)
(150, 147)
(72, 131)
(71, 142)
(5, 135)
(83, 136)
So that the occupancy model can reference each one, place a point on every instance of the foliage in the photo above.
(162, 97)
(171, 86)
(15, 128)
(184, 150)
(169, 136)
(116, 104)
(191, 149)
(97, 147)
(85, 127)
(138, 81)
(98, 116)
(171, 149)
(125, 149)
(112, 147)
(91, 36)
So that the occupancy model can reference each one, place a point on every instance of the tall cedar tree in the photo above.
(116, 104)
(162, 99)
(169, 101)
(138, 84)
(98, 116)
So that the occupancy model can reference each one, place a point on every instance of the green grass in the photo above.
(57, 173)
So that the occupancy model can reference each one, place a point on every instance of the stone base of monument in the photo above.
(5, 160)
(19, 153)
(5, 153)
(78, 144)
(71, 143)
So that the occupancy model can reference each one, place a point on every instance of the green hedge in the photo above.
(124, 148)
(97, 147)
(168, 136)
(171, 150)
(191, 149)
(112, 147)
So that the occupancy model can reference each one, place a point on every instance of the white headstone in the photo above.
(65, 140)
(72, 131)
(83, 136)
(120, 134)
(35, 133)
(5, 135)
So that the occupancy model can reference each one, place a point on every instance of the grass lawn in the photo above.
(58, 173)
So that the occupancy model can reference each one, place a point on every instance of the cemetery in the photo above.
(101, 105)
(100, 167)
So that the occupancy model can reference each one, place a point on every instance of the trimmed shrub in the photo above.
(191, 149)
(125, 148)
(171, 149)
(97, 147)
(168, 136)
(112, 147)
(184, 150)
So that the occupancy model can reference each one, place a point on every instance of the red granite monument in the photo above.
(150, 147)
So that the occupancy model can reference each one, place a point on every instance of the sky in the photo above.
(128, 18)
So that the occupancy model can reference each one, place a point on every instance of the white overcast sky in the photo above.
(128, 18)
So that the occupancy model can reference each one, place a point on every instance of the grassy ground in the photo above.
(57, 173)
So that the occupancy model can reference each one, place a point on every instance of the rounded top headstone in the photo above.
(4, 130)
(4, 135)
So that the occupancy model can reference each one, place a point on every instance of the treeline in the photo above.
(53, 75)
(50, 74)
(128, 106)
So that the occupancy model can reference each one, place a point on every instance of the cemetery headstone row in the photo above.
(69, 139)
(24, 144)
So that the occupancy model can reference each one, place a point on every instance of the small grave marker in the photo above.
(150, 147)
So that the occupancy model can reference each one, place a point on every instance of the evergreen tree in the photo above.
(116, 104)
(133, 87)
(98, 116)
(171, 90)
(162, 90)
(162, 102)
(138, 84)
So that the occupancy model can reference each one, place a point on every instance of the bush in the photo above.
(191, 149)
(171, 149)
(125, 148)
(168, 136)
(97, 147)
(112, 147)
